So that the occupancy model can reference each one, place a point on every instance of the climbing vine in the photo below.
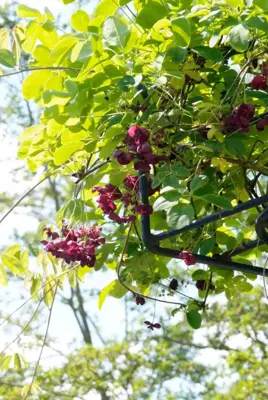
(173, 91)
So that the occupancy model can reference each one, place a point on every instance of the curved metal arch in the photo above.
(223, 261)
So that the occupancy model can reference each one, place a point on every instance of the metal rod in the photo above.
(151, 241)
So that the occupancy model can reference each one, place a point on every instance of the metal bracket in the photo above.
(222, 261)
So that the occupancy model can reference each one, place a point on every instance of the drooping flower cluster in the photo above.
(74, 245)
(106, 201)
(240, 119)
(139, 150)
(108, 194)
(188, 258)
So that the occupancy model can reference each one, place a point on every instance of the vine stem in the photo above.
(23, 197)
(24, 328)
(39, 69)
(43, 344)
(206, 296)
(37, 291)
(128, 288)
(83, 176)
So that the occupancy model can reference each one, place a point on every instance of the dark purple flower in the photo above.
(139, 300)
(259, 83)
(201, 284)
(173, 284)
(188, 258)
(131, 182)
(152, 325)
(138, 134)
(260, 125)
(122, 157)
(142, 166)
(144, 209)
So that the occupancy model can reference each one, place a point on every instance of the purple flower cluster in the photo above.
(239, 120)
(106, 201)
(74, 245)
(139, 150)
(130, 199)
(188, 258)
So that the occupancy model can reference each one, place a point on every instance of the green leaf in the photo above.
(76, 51)
(162, 204)
(72, 275)
(68, 1)
(36, 282)
(175, 311)
(218, 201)
(115, 289)
(180, 215)
(55, 97)
(200, 274)
(257, 22)
(5, 364)
(150, 13)
(198, 182)
(104, 293)
(206, 246)
(118, 291)
(63, 153)
(17, 361)
(125, 83)
(4, 36)
(194, 319)
(7, 58)
(226, 274)
(80, 21)
(174, 55)
(182, 31)
(3, 276)
(49, 290)
(115, 32)
(239, 38)
(42, 54)
(27, 12)
(263, 4)
(105, 8)
(209, 53)
(62, 48)
(180, 171)
(33, 85)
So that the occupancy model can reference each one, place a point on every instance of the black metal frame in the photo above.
(223, 261)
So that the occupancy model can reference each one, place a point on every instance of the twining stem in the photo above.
(84, 175)
(128, 288)
(43, 344)
(207, 292)
(23, 197)
(40, 69)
